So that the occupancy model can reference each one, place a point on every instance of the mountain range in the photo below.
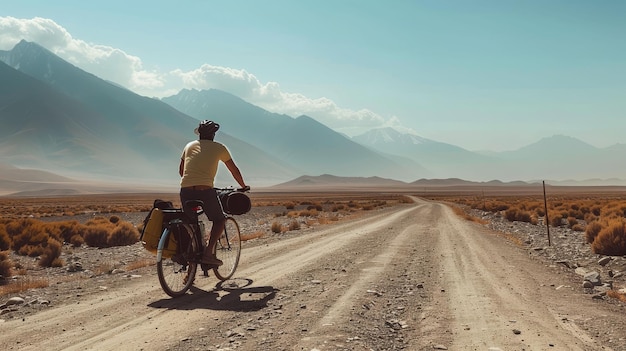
(56, 117)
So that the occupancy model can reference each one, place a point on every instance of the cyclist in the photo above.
(198, 167)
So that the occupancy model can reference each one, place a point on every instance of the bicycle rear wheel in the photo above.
(228, 249)
(177, 273)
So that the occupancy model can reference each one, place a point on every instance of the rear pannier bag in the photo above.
(155, 223)
(235, 203)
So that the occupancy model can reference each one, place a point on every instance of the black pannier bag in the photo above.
(235, 203)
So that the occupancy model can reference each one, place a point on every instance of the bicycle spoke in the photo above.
(228, 250)
(177, 277)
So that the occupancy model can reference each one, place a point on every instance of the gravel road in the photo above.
(413, 277)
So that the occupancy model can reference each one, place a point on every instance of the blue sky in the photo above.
(493, 75)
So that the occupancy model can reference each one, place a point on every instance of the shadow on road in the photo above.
(235, 294)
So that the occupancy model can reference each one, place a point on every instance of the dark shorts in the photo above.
(212, 206)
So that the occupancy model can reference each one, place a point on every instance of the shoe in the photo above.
(212, 261)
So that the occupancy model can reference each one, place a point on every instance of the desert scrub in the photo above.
(51, 253)
(5, 240)
(34, 238)
(592, 231)
(611, 240)
(5, 266)
(294, 225)
(519, 215)
(277, 227)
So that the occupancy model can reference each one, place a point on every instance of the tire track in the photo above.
(123, 320)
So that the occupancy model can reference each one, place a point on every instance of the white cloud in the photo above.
(127, 70)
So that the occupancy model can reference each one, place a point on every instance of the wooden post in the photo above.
(545, 206)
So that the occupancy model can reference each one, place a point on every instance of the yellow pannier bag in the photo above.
(153, 230)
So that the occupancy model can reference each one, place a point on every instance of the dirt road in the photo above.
(414, 277)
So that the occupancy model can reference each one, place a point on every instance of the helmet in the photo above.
(207, 127)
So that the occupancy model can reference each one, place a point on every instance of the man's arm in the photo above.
(234, 170)
(181, 167)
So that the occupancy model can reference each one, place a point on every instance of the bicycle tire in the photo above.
(177, 277)
(228, 249)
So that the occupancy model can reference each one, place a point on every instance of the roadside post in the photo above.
(545, 206)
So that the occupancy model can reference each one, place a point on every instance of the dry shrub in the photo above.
(123, 234)
(556, 220)
(77, 240)
(33, 234)
(540, 211)
(294, 225)
(572, 221)
(5, 240)
(611, 240)
(309, 213)
(317, 207)
(592, 231)
(494, 206)
(336, 208)
(31, 250)
(290, 205)
(5, 265)
(596, 210)
(590, 217)
(69, 229)
(277, 227)
(51, 253)
(515, 214)
(96, 236)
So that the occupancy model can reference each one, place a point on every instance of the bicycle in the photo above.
(177, 269)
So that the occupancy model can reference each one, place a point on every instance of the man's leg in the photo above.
(216, 231)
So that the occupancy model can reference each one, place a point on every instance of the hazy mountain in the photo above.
(12, 173)
(58, 117)
(335, 182)
(441, 159)
(562, 157)
(303, 142)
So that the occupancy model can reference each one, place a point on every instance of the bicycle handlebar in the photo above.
(241, 190)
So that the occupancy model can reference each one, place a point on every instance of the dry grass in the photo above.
(23, 284)
(146, 262)
(461, 213)
(601, 217)
(616, 295)
(104, 268)
(251, 236)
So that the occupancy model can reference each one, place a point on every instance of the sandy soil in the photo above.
(414, 277)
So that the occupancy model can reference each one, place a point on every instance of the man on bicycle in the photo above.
(198, 167)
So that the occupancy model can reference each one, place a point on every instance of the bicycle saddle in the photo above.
(191, 208)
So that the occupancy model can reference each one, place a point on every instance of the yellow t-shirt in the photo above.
(201, 158)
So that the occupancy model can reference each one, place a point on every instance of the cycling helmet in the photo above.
(207, 127)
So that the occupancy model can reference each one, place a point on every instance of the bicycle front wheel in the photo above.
(177, 273)
(228, 249)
